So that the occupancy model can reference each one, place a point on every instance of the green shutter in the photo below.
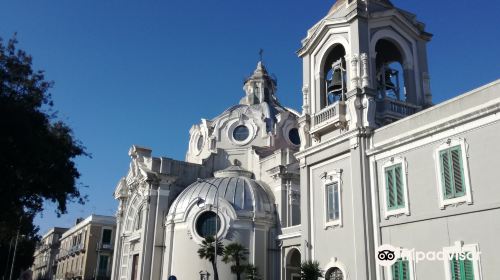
(401, 270)
(461, 269)
(458, 174)
(398, 174)
(452, 172)
(445, 174)
(455, 268)
(468, 269)
(389, 182)
(405, 270)
(395, 271)
(395, 186)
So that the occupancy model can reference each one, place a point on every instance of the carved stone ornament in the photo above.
(365, 77)
(354, 71)
(305, 99)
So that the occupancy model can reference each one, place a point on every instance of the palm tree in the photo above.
(252, 273)
(207, 251)
(235, 253)
(309, 270)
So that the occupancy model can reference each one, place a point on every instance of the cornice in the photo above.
(331, 142)
(441, 125)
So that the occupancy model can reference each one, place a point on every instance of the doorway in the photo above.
(135, 267)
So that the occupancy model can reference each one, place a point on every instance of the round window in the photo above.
(199, 143)
(241, 133)
(293, 135)
(207, 223)
(334, 274)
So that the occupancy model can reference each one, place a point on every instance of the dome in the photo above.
(258, 122)
(243, 193)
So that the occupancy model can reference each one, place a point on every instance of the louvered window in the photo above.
(452, 172)
(401, 270)
(461, 268)
(394, 183)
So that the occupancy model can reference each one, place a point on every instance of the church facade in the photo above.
(370, 179)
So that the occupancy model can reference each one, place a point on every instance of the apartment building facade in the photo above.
(86, 250)
(44, 265)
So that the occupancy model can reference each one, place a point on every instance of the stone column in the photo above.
(354, 72)
(305, 100)
(162, 207)
(365, 78)
(116, 263)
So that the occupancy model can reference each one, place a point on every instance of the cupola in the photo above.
(259, 87)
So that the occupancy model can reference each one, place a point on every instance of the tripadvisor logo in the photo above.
(387, 255)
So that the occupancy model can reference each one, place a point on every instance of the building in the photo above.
(245, 159)
(86, 249)
(367, 178)
(44, 265)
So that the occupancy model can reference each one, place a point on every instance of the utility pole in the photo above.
(8, 259)
(14, 255)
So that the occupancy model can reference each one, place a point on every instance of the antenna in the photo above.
(261, 52)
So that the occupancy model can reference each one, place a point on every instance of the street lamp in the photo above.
(216, 212)
(204, 275)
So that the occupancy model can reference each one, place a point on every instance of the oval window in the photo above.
(241, 133)
(199, 144)
(293, 135)
(207, 223)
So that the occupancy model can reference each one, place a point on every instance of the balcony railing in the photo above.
(395, 109)
(107, 246)
(104, 246)
(330, 116)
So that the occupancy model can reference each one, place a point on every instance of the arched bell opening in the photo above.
(293, 261)
(334, 80)
(391, 76)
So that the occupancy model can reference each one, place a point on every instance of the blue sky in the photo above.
(142, 72)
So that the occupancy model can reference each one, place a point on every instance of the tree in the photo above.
(207, 251)
(309, 270)
(36, 149)
(235, 253)
(252, 273)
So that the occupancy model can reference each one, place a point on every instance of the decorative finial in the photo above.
(261, 52)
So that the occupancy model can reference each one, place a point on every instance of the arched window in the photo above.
(293, 261)
(334, 80)
(390, 71)
(334, 274)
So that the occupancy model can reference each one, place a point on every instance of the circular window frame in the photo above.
(194, 144)
(298, 135)
(243, 127)
(251, 132)
(331, 270)
(223, 228)
(219, 224)
(286, 133)
(199, 148)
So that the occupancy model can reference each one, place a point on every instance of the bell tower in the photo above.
(364, 66)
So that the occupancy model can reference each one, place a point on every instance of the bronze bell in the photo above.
(335, 84)
(388, 82)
